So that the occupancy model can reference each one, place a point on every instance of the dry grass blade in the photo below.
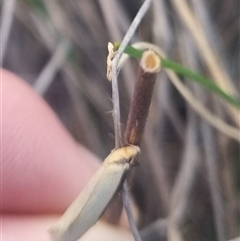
(184, 180)
(226, 129)
(207, 53)
(214, 180)
(6, 22)
(46, 77)
(235, 239)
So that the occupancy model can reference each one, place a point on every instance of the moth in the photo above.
(93, 200)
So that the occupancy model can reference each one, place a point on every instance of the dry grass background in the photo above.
(187, 187)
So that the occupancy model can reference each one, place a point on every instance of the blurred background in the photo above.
(188, 184)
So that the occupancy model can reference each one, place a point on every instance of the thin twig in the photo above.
(115, 95)
(127, 206)
(115, 98)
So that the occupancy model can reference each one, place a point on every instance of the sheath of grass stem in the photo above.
(93, 200)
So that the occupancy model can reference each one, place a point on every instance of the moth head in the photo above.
(123, 155)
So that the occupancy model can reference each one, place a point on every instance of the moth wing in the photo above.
(90, 204)
(75, 208)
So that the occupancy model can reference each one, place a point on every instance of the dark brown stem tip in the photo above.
(150, 61)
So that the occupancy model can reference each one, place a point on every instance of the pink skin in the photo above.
(42, 168)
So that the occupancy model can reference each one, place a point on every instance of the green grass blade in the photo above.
(131, 51)
(185, 72)
(205, 82)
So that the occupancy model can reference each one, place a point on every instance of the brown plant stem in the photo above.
(147, 74)
(149, 67)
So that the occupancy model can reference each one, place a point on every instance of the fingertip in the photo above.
(43, 168)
